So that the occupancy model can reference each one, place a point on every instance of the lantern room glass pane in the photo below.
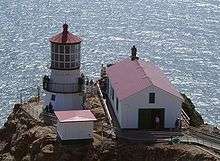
(52, 47)
(72, 48)
(67, 57)
(61, 57)
(78, 47)
(52, 56)
(67, 65)
(56, 48)
(73, 65)
(61, 65)
(56, 65)
(61, 49)
(52, 64)
(56, 57)
(73, 57)
(67, 49)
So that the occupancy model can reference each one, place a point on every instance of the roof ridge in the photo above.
(142, 68)
(164, 76)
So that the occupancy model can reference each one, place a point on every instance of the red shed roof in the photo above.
(75, 116)
(129, 77)
(65, 37)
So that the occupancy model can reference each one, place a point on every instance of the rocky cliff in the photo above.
(25, 139)
(195, 118)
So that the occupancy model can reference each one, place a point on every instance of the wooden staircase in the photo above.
(185, 120)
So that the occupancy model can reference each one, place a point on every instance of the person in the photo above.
(50, 108)
(133, 51)
(157, 121)
(177, 124)
(180, 124)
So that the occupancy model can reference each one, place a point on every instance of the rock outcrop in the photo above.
(25, 139)
(195, 118)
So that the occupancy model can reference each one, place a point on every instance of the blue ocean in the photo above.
(181, 36)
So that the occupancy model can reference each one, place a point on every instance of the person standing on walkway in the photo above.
(157, 121)
(177, 124)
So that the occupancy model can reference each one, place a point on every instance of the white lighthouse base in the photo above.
(62, 102)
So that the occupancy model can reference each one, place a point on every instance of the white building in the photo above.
(140, 92)
(75, 124)
(65, 86)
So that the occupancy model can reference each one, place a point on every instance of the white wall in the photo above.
(65, 76)
(65, 101)
(75, 130)
(117, 113)
(131, 105)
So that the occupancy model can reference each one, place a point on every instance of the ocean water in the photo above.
(181, 36)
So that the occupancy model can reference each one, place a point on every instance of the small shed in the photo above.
(75, 124)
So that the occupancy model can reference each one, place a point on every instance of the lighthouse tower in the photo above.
(65, 86)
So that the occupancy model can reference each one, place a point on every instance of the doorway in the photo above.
(146, 118)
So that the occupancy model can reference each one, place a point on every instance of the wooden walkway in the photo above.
(200, 141)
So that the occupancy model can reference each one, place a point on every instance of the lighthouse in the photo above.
(64, 87)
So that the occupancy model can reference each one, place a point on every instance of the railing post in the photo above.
(21, 98)
(38, 94)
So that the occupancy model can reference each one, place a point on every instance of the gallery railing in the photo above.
(62, 87)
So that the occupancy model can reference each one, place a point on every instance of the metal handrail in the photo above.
(50, 86)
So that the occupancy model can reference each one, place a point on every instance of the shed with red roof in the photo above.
(75, 124)
(141, 94)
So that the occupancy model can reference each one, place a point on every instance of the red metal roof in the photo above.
(75, 116)
(129, 77)
(65, 37)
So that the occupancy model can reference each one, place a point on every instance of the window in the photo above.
(61, 49)
(67, 65)
(77, 47)
(67, 49)
(56, 57)
(52, 64)
(117, 104)
(67, 57)
(151, 97)
(52, 47)
(73, 65)
(61, 65)
(72, 57)
(61, 57)
(56, 48)
(52, 56)
(53, 97)
(72, 48)
(56, 65)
